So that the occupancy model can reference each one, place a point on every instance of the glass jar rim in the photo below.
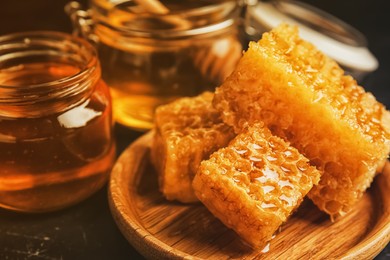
(73, 84)
(228, 12)
(49, 38)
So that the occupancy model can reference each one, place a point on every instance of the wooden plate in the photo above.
(159, 229)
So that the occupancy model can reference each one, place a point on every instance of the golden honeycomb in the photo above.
(187, 131)
(304, 97)
(254, 183)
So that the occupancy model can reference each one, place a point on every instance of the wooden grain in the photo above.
(160, 229)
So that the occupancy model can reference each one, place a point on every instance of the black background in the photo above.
(87, 230)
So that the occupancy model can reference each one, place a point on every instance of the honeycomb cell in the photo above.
(187, 131)
(304, 97)
(256, 199)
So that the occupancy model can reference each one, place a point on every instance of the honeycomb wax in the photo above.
(304, 97)
(187, 131)
(254, 184)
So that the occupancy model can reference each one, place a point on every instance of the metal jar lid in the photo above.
(335, 38)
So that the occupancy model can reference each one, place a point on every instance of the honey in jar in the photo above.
(56, 143)
(150, 57)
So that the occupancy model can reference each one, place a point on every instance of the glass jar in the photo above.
(334, 37)
(153, 55)
(56, 140)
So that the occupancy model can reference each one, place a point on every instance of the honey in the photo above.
(137, 92)
(149, 59)
(56, 145)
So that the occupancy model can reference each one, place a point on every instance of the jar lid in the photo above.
(335, 38)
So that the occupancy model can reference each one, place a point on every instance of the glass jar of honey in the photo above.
(154, 51)
(56, 140)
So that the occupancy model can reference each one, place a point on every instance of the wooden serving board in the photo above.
(160, 229)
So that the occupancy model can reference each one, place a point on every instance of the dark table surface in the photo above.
(87, 230)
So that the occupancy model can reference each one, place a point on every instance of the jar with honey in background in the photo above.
(56, 140)
(154, 51)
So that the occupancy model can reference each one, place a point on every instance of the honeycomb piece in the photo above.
(304, 97)
(187, 131)
(255, 183)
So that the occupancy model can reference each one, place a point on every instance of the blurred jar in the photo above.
(56, 143)
(151, 56)
(334, 37)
